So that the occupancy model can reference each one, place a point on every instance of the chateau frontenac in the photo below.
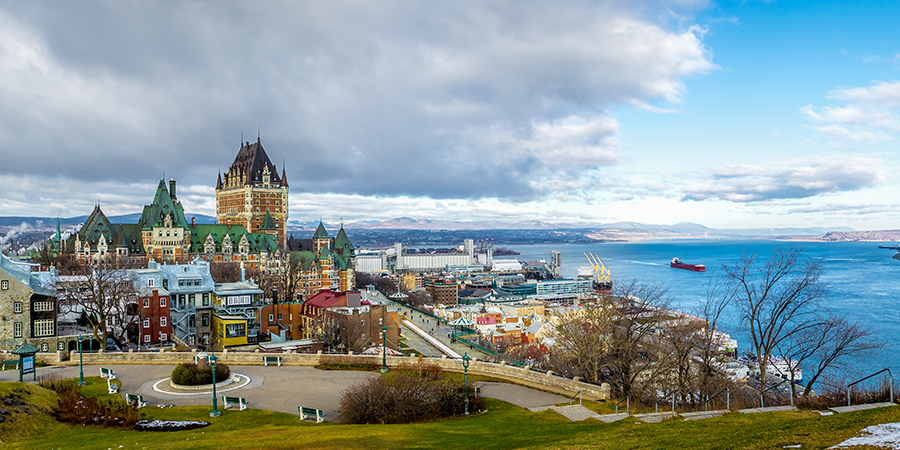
(252, 213)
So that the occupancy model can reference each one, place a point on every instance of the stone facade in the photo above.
(28, 309)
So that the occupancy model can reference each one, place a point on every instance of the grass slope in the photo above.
(503, 426)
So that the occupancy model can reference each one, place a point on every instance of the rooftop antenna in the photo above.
(242, 138)
(257, 133)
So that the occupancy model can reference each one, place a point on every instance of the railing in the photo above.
(890, 375)
(572, 399)
(627, 401)
(727, 399)
(666, 398)
(761, 405)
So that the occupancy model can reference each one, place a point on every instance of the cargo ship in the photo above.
(677, 264)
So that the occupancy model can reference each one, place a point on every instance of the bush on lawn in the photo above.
(407, 397)
(189, 374)
(77, 409)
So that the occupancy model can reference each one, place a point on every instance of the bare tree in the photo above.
(826, 346)
(225, 271)
(102, 295)
(640, 309)
(340, 335)
(615, 339)
(778, 297)
(582, 337)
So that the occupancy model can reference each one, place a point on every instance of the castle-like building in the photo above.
(252, 212)
(164, 235)
(252, 193)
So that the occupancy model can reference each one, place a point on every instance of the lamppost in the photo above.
(215, 412)
(466, 378)
(80, 363)
(383, 348)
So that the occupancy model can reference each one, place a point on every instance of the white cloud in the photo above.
(870, 113)
(455, 100)
(794, 179)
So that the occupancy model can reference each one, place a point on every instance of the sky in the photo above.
(730, 114)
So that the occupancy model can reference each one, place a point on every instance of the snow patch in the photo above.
(883, 435)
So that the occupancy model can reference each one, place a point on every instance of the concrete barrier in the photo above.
(521, 375)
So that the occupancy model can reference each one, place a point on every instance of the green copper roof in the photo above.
(342, 244)
(155, 213)
(267, 224)
(320, 232)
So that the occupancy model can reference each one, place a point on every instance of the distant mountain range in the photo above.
(682, 228)
(595, 231)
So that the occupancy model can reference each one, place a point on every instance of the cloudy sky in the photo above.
(736, 114)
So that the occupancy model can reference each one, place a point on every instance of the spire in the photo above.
(283, 176)
(58, 234)
(267, 223)
(219, 183)
(320, 232)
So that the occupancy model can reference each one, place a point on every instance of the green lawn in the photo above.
(503, 426)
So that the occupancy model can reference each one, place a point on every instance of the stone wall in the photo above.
(545, 381)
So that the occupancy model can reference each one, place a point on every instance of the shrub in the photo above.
(77, 409)
(406, 397)
(189, 374)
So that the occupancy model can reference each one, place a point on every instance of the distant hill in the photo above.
(588, 231)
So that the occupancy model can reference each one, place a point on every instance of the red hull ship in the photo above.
(676, 264)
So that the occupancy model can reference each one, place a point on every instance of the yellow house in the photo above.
(230, 330)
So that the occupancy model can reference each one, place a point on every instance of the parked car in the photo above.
(111, 345)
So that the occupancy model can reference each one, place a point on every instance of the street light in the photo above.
(383, 348)
(80, 363)
(466, 378)
(215, 412)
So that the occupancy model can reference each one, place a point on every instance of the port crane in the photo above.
(601, 273)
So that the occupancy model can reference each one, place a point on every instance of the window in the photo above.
(4, 284)
(43, 306)
(43, 328)
(280, 317)
(146, 303)
(150, 282)
(17, 329)
(235, 330)
(17, 308)
(205, 299)
(162, 321)
(146, 338)
(191, 299)
(205, 319)
(163, 337)
(146, 323)
(162, 302)
(271, 317)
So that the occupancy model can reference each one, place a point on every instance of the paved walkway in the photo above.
(441, 332)
(272, 388)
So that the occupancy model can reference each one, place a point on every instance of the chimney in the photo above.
(172, 189)
(353, 299)
(193, 222)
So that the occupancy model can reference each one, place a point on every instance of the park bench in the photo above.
(240, 402)
(136, 400)
(310, 413)
(113, 387)
(10, 362)
(107, 373)
(271, 359)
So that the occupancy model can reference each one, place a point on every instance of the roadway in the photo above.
(271, 388)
